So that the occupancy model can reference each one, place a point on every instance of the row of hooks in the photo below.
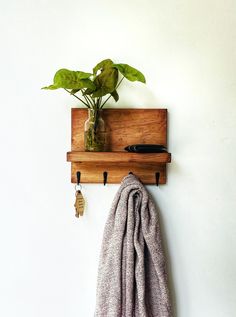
(105, 176)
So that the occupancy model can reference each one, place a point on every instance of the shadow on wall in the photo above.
(168, 261)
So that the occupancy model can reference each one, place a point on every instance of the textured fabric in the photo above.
(132, 279)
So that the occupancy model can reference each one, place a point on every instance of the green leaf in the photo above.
(69, 79)
(130, 73)
(99, 93)
(51, 87)
(105, 82)
(115, 95)
(85, 83)
(89, 91)
(106, 63)
(74, 91)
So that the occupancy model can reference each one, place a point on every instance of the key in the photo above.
(79, 204)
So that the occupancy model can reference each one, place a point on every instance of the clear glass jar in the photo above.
(95, 138)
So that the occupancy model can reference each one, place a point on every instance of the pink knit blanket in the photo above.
(132, 279)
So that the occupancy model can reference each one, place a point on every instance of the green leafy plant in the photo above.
(97, 86)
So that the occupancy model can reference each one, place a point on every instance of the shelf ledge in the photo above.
(118, 157)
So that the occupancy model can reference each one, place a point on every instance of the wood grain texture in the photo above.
(118, 157)
(126, 127)
(93, 173)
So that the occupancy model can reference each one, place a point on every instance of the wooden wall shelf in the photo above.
(118, 157)
(126, 127)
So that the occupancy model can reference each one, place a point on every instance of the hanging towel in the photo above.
(132, 279)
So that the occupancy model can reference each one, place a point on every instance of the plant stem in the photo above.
(114, 89)
(78, 98)
(94, 103)
(100, 102)
(87, 98)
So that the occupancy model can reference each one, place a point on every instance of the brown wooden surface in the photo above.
(118, 157)
(93, 173)
(126, 127)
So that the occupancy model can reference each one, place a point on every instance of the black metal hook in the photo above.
(105, 174)
(78, 177)
(157, 178)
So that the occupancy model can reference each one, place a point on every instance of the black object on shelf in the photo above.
(146, 148)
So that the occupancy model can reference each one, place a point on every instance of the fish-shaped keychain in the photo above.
(79, 203)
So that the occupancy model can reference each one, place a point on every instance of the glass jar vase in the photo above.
(95, 138)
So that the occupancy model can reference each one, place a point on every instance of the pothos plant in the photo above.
(94, 90)
(95, 86)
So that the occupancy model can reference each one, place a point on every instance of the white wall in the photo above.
(187, 50)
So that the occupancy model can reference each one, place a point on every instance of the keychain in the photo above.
(79, 201)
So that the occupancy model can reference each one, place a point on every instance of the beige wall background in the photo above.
(187, 50)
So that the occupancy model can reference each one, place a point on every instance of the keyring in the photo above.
(78, 187)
